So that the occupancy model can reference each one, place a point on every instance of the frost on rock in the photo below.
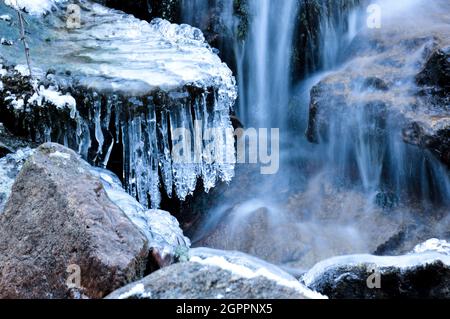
(160, 227)
(119, 83)
(10, 166)
(247, 266)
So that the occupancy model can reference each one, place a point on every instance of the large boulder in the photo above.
(425, 273)
(216, 275)
(59, 219)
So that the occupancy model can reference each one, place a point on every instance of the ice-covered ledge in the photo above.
(118, 85)
(107, 49)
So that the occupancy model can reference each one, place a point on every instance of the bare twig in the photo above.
(23, 39)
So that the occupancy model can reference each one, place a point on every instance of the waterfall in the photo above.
(369, 99)
(263, 57)
(356, 95)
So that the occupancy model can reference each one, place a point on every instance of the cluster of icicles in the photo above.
(145, 132)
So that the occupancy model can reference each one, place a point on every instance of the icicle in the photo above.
(184, 169)
(98, 126)
(165, 156)
(208, 168)
(154, 182)
(84, 138)
(118, 111)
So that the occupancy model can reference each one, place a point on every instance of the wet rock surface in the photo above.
(396, 75)
(59, 215)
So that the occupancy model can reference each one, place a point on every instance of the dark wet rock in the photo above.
(432, 134)
(59, 217)
(217, 275)
(147, 9)
(424, 274)
(10, 143)
(317, 20)
(387, 200)
(436, 72)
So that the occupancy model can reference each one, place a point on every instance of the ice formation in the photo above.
(125, 83)
(10, 166)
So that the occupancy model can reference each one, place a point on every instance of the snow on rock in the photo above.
(249, 267)
(137, 291)
(380, 262)
(33, 7)
(54, 97)
(5, 17)
(22, 69)
(433, 245)
(4, 41)
(395, 276)
(2, 71)
(216, 275)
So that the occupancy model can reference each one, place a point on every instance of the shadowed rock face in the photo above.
(60, 215)
(147, 9)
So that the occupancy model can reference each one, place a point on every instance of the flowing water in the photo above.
(362, 185)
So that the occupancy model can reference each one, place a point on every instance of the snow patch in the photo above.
(58, 154)
(16, 103)
(3, 71)
(433, 245)
(22, 69)
(136, 291)
(5, 17)
(33, 7)
(249, 273)
(380, 262)
(57, 99)
(4, 41)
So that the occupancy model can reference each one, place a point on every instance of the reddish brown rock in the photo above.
(60, 215)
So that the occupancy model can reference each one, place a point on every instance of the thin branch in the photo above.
(23, 39)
